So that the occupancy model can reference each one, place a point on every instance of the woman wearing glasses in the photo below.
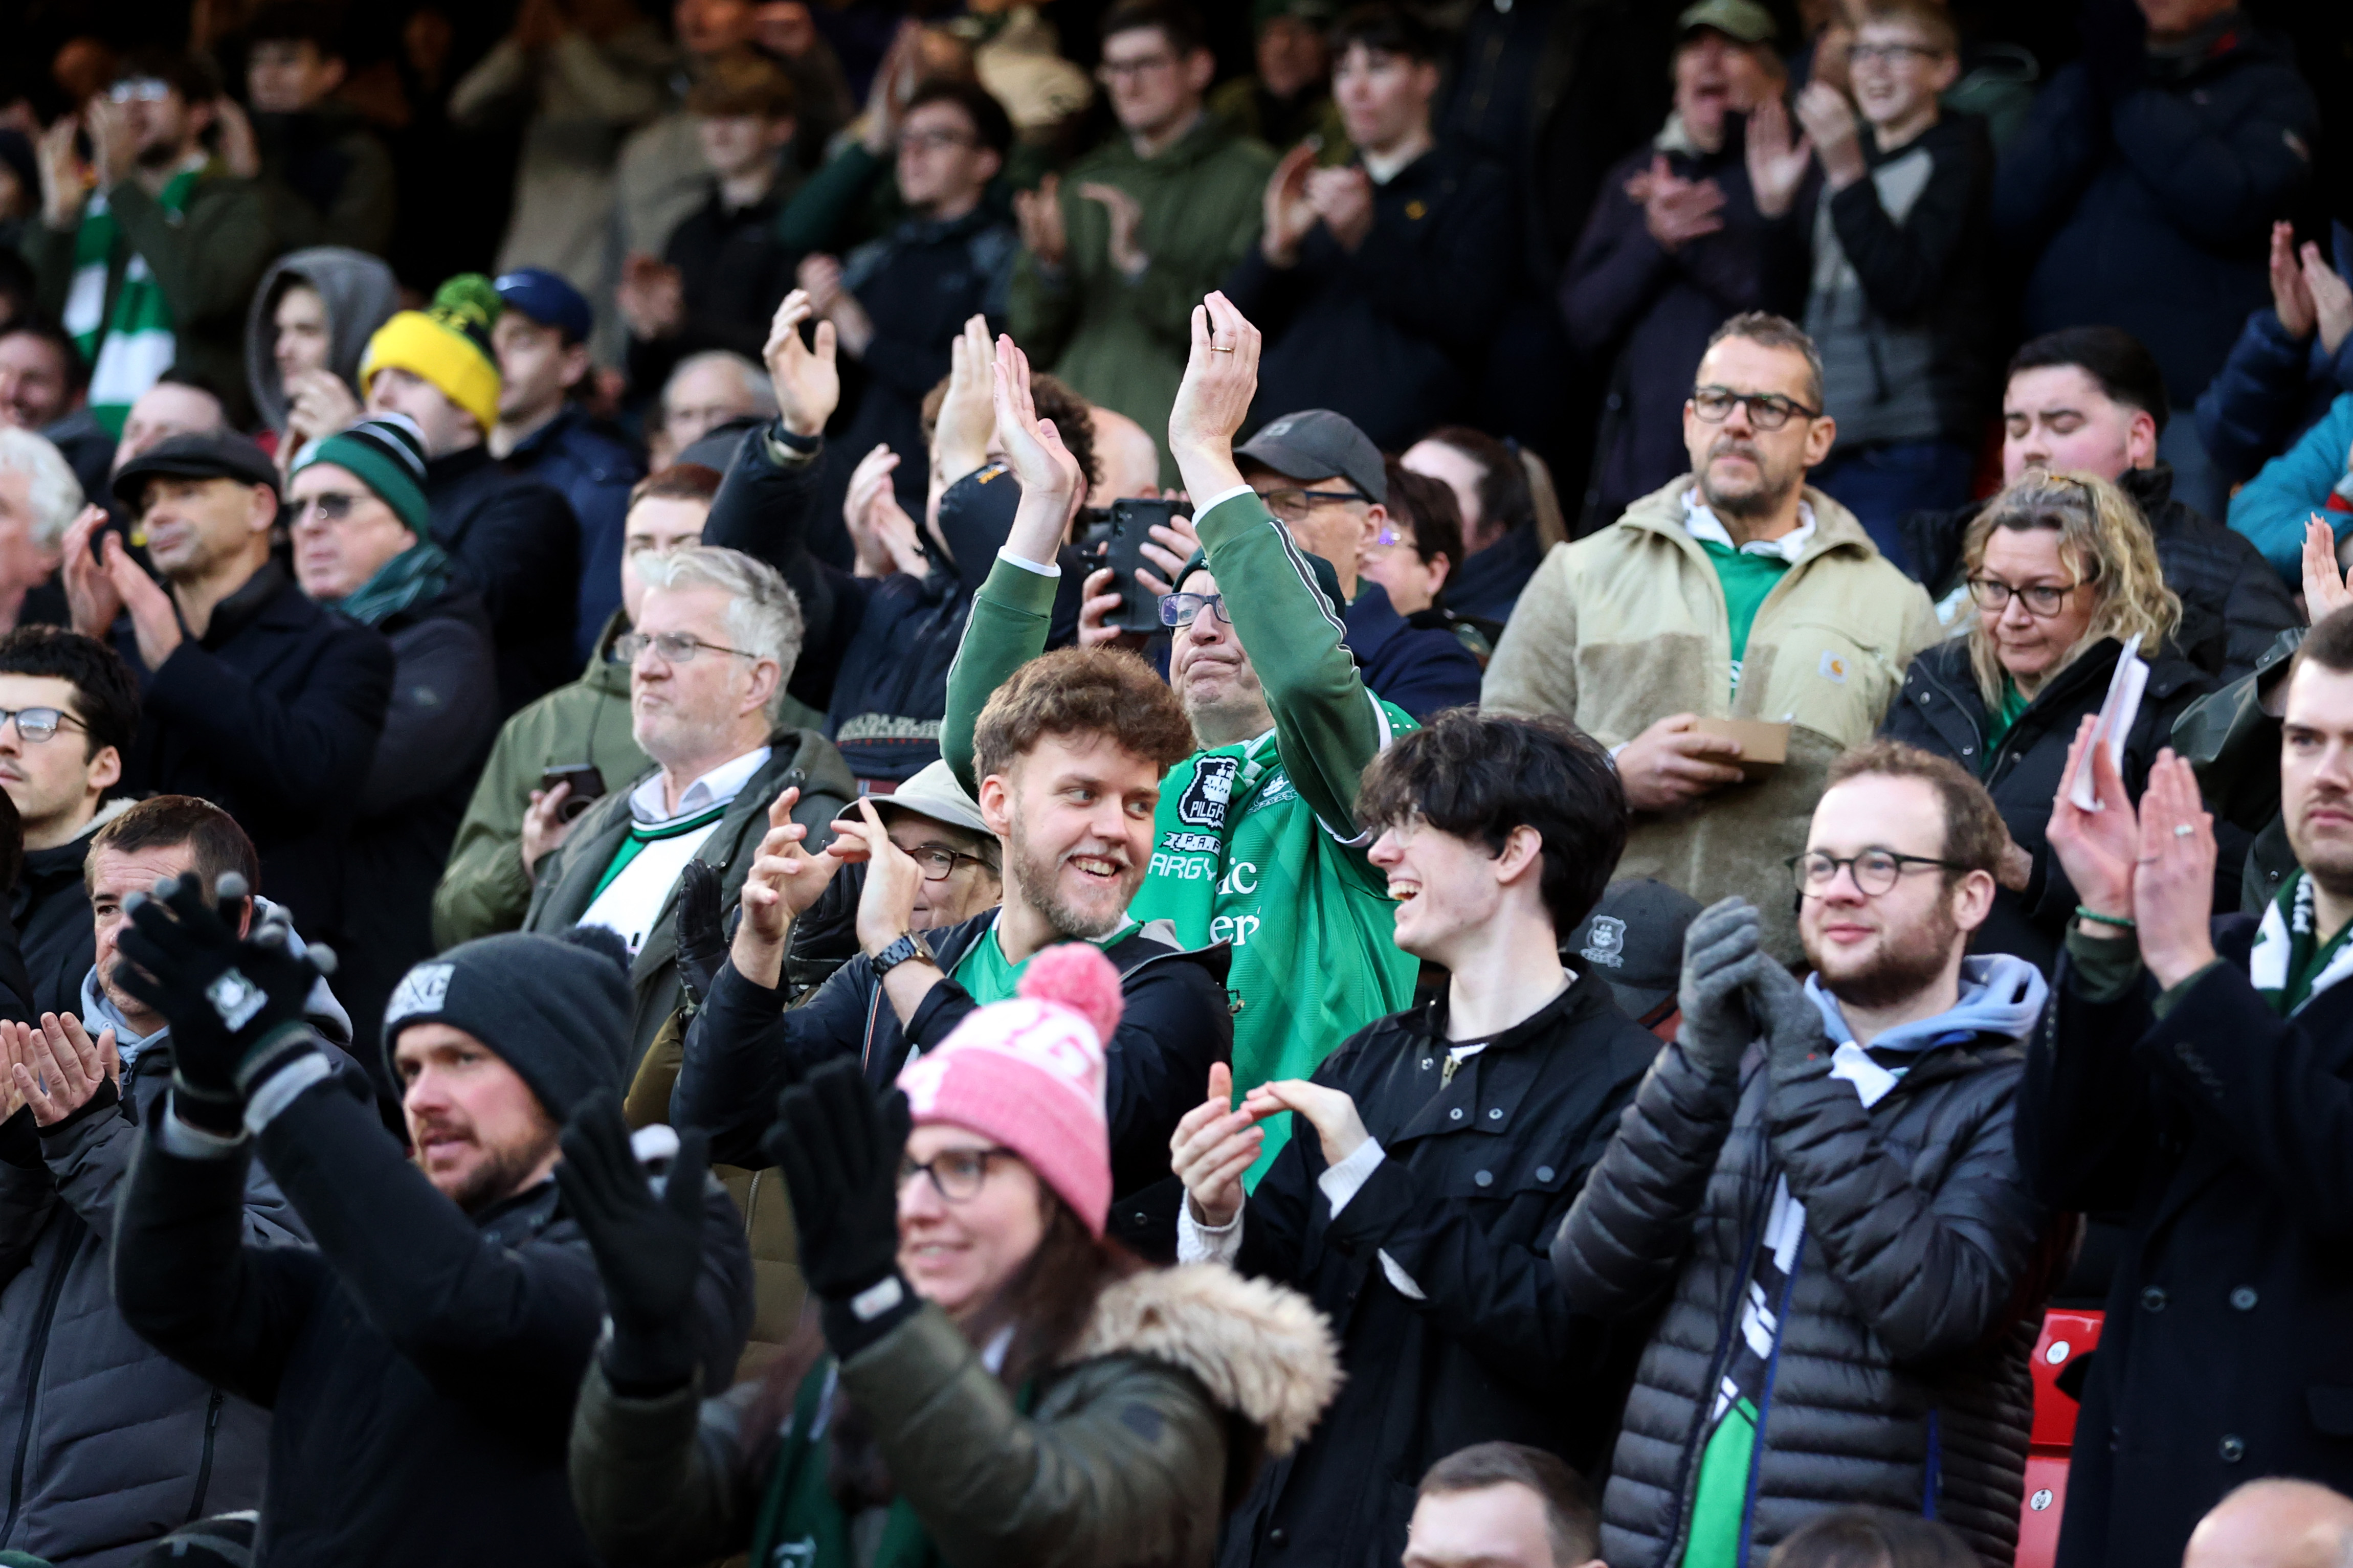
(995, 1381)
(2062, 572)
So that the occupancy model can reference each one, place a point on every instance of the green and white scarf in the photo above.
(417, 573)
(2288, 964)
(129, 346)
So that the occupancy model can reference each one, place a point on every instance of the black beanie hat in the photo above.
(555, 1008)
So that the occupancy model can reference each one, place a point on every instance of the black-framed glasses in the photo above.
(1291, 503)
(957, 1174)
(330, 506)
(1875, 871)
(676, 648)
(1178, 610)
(1767, 410)
(35, 725)
(938, 864)
(1889, 54)
(2041, 600)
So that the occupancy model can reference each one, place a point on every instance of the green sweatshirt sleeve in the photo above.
(1326, 725)
(814, 218)
(1006, 630)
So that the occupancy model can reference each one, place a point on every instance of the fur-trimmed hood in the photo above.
(1261, 1350)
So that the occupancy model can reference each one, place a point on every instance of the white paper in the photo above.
(2117, 711)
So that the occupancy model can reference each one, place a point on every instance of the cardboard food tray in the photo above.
(1764, 743)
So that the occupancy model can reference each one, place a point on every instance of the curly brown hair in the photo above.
(1082, 691)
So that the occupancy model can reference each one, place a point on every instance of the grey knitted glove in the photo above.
(1719, 956)
(1793, 1025)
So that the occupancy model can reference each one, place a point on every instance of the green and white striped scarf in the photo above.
(129, 346)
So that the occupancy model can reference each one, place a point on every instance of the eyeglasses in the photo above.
(1291, 503)
(1767, 410)
(676, 648)
(957, 1174)
(1178, 610)
(333, 506)
(932, 141)
(1889, 54)
(35, 725)
(938, 865)
(1112, 69)
(139, 90)
(1390, 535)
(2042, 600)
(1875, 871)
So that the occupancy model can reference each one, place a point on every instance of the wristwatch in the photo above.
(909, 945)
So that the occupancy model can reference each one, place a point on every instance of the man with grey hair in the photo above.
(1736, 592)
(705, 394)
(2275, 1523)
(38, 500)
(715, 641)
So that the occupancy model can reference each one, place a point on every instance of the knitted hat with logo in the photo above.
(385, 453)
(554, 1007)
(447, 344)
(1028, 1075)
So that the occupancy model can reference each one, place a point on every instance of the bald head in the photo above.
(2275, 1524)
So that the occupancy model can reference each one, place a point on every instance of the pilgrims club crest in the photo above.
(1203, 804)
(1606, 942)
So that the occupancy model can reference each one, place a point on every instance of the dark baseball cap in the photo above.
(1634, 940)
(1316, 444)
(217, 455)
(547, 297)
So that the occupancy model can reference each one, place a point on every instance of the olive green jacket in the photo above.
(1628, 626)
(485, 890)
(1122, 1462)
(1121, 342)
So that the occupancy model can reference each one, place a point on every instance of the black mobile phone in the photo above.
(1132, 521)
(588, 784)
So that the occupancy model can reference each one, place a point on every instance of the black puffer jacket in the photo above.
(1941, 711)
(2232, 603)
(1901, 1379)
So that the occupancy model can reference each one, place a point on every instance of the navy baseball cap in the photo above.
(1634, 940)
(547, 298)
(1316, 443)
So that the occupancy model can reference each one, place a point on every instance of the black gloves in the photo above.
(1794, 1033)
(702, 938)
(1720, 957)
(839, 1150)
(236, 1005)
(649, 1249)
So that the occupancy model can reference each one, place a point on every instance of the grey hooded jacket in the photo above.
(361, 294)
(108, 1444)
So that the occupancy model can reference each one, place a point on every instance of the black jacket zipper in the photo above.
(36, 1355)
(205, 1469)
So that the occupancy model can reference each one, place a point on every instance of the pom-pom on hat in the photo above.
(1028, 1073)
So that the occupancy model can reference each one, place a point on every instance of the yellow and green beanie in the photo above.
(447, 344)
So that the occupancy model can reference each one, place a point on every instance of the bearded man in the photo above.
(1829, 1168)
(1736, 592)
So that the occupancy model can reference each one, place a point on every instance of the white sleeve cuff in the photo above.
(1198, 1243)
(1204, 509)
(175, 1136)
(1343, 1181)
(1026, 564)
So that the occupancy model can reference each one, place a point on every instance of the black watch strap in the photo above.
(909, 945)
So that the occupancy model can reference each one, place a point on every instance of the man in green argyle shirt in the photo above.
(1256, 842)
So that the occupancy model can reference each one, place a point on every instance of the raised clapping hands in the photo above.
(1217, 1142)
(55, 1066)
(2327, 587)
(1214, 398)
(1052, 484)
(2153, 867)
(807, 380)
(784, 881)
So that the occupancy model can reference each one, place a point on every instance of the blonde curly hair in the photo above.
(2103, 540)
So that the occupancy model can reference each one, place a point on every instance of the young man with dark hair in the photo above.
(153, 192)
(1117, 252)
(1820, 1183)
(1737, 590)
(74, 712)
(898, 300)
(326, 177)
(1074, 749)
(1379, 282)
(2195, 1075)
(1437, 1151)
(1504, 1505)
(452, 1295)
(2092, 400)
